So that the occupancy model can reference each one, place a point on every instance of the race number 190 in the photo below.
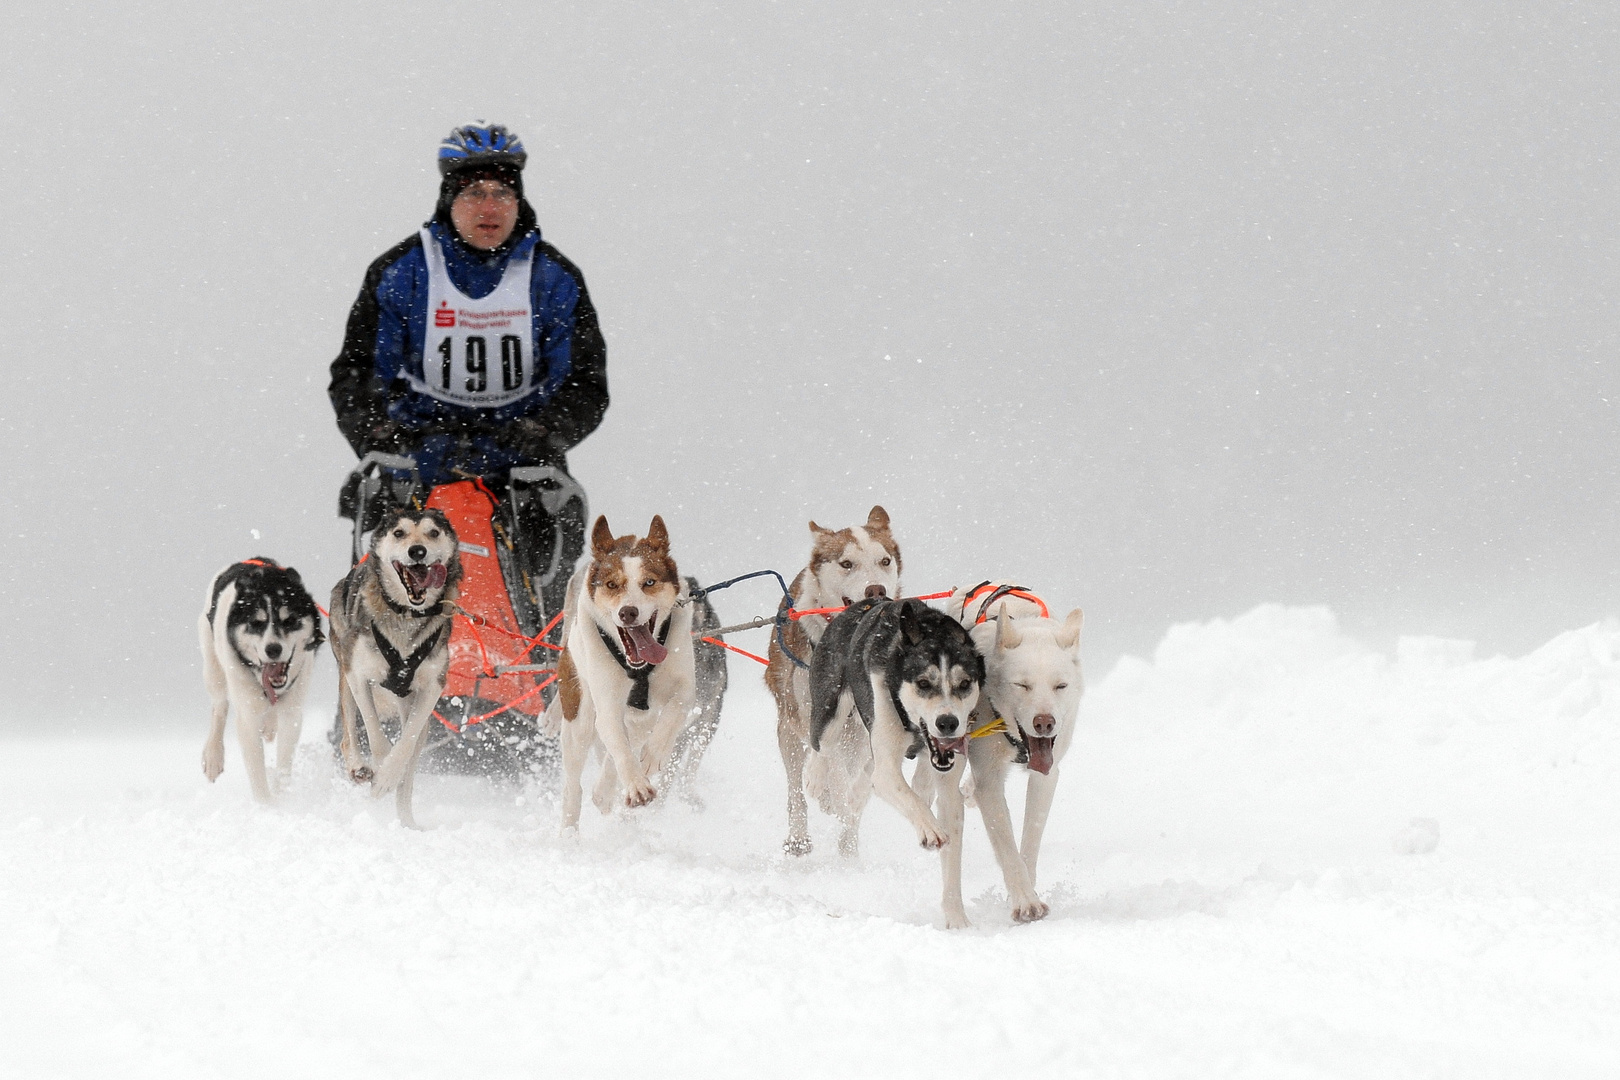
(475, 364)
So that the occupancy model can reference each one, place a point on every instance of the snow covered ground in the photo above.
(1276, 852)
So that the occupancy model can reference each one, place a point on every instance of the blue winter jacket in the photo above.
(378, 410)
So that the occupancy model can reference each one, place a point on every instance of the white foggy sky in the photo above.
(1162, 311)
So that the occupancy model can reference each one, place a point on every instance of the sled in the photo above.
(504, 643)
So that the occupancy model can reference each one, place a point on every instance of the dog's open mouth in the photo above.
(418, 578)
(273, 678)
(1040, 753)
(942, 752)
(640, 647)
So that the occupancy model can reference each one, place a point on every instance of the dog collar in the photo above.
(401, 609)
(639, 676)
(999, 726)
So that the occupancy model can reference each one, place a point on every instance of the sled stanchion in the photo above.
(756, 623)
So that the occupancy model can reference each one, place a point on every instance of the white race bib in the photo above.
(478, 352)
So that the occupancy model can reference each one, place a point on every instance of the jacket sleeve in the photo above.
(577, 407)
(358, 394)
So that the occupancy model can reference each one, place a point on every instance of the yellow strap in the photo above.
(997, 726)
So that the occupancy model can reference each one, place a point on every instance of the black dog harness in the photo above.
(402, 670)
(640, 674)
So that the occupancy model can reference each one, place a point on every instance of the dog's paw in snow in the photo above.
(639, 793)
(1028, 911)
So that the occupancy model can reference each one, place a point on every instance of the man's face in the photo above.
(485, 213)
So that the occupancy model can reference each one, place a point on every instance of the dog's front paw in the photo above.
(957, 920)
(362, 775)
(639, 793)
(1031, 910)
(796, 845)
(213, 761)
(931, 837)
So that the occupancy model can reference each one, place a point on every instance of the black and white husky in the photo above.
(259, 634)
(391, 635)
(913, 676)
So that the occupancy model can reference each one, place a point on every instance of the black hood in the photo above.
(451, 186)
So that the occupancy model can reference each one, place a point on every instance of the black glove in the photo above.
(527, 435)
(388, 436)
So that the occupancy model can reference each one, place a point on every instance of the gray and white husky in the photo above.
(259, 634)
(391, 635)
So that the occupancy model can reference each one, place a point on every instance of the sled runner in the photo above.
(516, 554)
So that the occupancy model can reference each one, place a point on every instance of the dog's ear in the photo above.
(1068, 636)
(601, 536)
(910, 623)
(878, 519)
(817, 530)
(1007, 635)
(657, 535)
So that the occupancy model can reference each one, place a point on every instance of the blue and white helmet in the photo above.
(481, 145)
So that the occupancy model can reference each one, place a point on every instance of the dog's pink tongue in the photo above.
(272, 673)
(436, 576)
(645, 645)
(1040, 754)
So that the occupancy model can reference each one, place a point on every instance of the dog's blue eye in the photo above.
(884, 562)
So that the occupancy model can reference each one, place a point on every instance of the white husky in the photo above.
(1033, 684)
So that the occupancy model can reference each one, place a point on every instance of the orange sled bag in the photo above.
(491, 638)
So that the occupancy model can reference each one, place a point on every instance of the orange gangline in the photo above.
(471, 720)
(733, 648)
(835, 610)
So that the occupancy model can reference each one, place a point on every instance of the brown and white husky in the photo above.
(626, 680)
(846, 565)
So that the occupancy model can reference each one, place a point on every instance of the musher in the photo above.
(474, 349)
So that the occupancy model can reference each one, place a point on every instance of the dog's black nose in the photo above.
(947, 725)
(417, 552)
(876, 590)
(627, 615)
(272, 649)
(1045, 724)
